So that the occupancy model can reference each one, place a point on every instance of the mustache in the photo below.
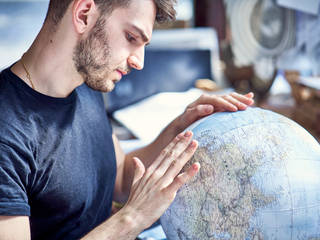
(125, 69)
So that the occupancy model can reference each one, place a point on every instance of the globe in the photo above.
(259, 179)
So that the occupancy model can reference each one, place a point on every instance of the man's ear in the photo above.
(84, 15)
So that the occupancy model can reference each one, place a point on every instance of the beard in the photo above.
(92, 57)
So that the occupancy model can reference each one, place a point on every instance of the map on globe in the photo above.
(259, 179)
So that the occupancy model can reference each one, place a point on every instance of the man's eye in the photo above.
(130, 38)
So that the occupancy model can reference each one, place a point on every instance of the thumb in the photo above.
(138, 171)
(195, 113)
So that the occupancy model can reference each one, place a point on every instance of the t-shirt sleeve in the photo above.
(14, 173)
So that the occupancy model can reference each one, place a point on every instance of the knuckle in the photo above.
(198, 108)
(174, 163)
(189, 111)
(189, 150)
(170, 154)
(179, 181)
(184, 143)
(156, 175)
(163, 153)
(177, 139)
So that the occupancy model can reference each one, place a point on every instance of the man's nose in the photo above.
(136, 60)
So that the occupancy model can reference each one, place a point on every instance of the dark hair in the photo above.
(165, 9)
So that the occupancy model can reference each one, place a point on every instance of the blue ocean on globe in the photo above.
(259, 179)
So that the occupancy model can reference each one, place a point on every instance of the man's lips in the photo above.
(119, 77)
(122, 73)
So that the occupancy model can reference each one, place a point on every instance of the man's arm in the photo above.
(14, 228)
(152, 190)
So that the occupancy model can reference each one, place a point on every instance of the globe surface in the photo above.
(259, 179)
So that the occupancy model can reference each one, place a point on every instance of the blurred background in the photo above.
(269, 47)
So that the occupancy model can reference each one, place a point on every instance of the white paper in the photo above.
(148, 117)
(309, 6)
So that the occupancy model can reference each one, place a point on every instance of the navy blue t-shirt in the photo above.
(57, 160)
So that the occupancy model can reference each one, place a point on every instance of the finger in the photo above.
(182, 178)
(192, 114)
(226, 105)
(242, 98)
(234, 101)
(179, 163)
(172, 155)
(249, 95)
(163, 154)
(138, 171)
(218, 102)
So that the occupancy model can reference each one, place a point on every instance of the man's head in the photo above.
(111, 35)
(165, 8)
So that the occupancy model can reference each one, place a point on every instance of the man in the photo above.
(60, 165)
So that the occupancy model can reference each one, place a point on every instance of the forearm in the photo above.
(121, 226)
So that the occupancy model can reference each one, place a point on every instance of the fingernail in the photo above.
(196, 166)
(194, 143)
(208, 109)
(187, 134)
(180, 135)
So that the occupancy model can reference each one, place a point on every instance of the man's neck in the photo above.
(49, 62)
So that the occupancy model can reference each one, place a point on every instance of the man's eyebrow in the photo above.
(142, 34)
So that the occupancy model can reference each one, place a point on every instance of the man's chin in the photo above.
(107, 87)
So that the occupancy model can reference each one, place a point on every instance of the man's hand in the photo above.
(154, 189)
(209, 104)
(202, 107)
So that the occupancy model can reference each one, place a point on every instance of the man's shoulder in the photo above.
(7, 86)
(8, 96)
(13, 117)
